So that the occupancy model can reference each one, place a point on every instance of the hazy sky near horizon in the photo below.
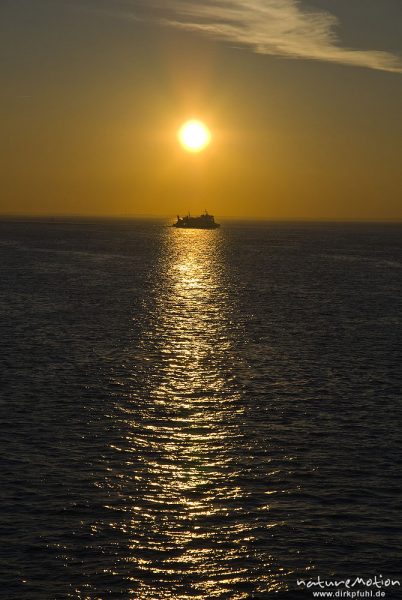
(303, 99)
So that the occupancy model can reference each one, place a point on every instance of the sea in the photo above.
(193, 414)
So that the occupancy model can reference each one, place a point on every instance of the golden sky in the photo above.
(303, 101)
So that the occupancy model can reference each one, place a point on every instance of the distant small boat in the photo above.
(204, 221)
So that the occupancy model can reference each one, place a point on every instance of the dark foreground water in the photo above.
(198, 414)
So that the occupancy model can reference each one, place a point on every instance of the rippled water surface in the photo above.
(198, 414)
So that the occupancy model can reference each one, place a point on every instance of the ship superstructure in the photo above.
(204, 221)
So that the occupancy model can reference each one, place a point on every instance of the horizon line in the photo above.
(149, 216)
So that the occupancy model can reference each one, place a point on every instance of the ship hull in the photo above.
(195, 226)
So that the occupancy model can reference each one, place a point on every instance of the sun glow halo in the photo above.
(194, 136)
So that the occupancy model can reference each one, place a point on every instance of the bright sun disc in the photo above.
(194, 136)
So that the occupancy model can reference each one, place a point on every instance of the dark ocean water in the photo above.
(198, 414)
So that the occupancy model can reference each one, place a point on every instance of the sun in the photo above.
(194, 136)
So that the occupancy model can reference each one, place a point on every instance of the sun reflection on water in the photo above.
(189, 532)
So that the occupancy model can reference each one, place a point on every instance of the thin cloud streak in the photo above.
(277, 27)
(274, 27)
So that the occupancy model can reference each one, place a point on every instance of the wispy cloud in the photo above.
(277, 27)
(284, 28)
